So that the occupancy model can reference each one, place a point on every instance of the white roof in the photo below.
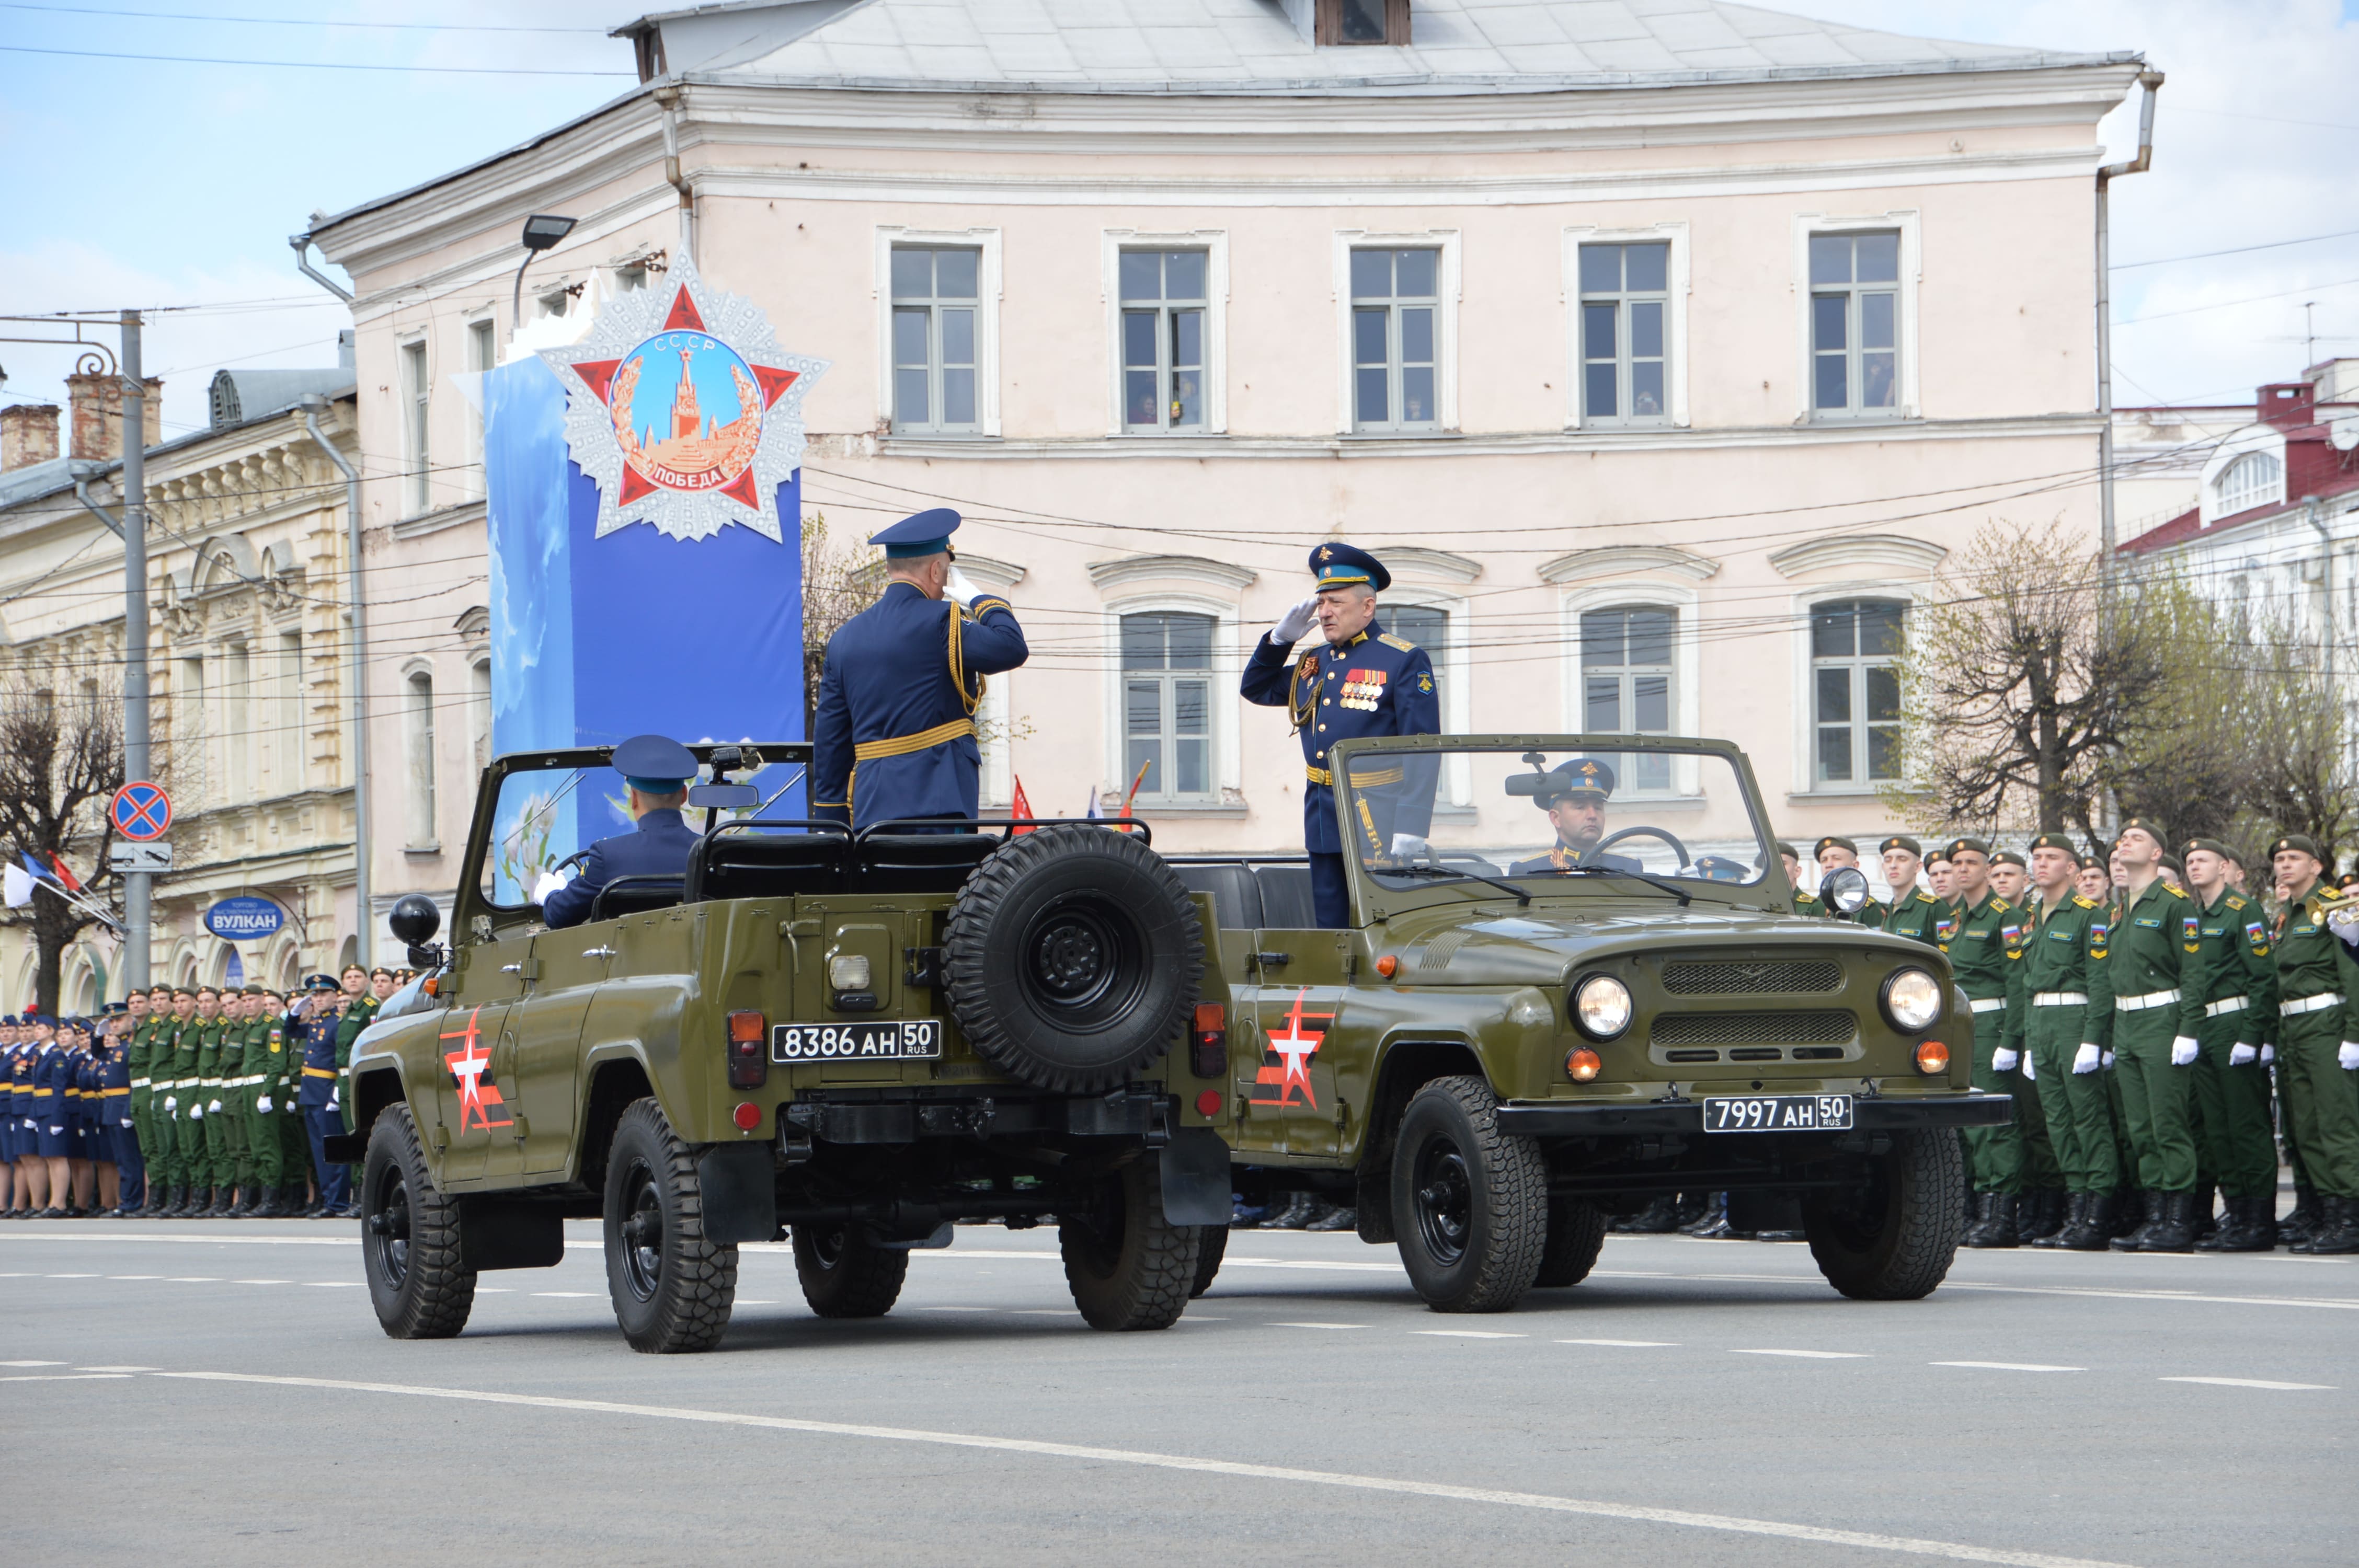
(1196, 45)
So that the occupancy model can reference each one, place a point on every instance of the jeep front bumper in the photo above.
(1654, 1118)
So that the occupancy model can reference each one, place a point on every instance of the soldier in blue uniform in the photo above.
(895, 735)
(656, 771)
(1365, 681)
(9, 1120)
(315, 1023)
(1573, 793)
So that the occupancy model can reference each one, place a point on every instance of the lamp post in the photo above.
(542, 231)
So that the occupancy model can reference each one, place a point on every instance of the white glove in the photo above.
(263, 1105)
(172, 1102)
(2029, 1069)
(126, 1121)
(2002, 1059)
(215, 1107)
(2241, 1055)
(2109, 1061)
(196, 1113)
(2182, 1051)
(2268, 1054)
(2085, 1060)
(1408, 846)
(548, 884)
(2347, 1058)
(1295, 622)
(332, 1099)
(957, 586)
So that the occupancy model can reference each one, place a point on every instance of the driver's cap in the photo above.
(1577, 778)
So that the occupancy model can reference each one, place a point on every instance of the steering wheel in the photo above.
(575, 860)
(1616, 838)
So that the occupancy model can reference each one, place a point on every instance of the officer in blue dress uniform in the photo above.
(315, 1033)
(8, 1119)
(657, 771)
(120, 1141)
(16, 1102)
(1363, 682)
(1573, 793)
(895, 736)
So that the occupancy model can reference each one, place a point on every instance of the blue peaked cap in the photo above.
(1338, 565)
(654, 765)
(923, 534)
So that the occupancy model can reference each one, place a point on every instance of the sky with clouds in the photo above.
(160, 182)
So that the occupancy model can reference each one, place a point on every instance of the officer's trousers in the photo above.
(1330, 891)
(264, 1168)
(294, 1140)
(130, 1161)
(2072, 1104)
(2041, 1165)
(143, 1128)
(1994, 1155)
(2232, 1105)
(2322, 1105)
(220, 1165)
(325, 1122)
(2156, 1098)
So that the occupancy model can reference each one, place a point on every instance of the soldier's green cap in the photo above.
(2093, 863)
(1901, 841)
(1786, 848)
(251, 990)
(2009, 858)
(2145, 825)
(2172, 864)
(1834, 841)
(2054, 841)
(2210, 846)
(2302, 841)
(1962, 846)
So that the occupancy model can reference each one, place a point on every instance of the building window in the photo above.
(237, 723)
(479, 710)
(1422, 625)
(2254, 480)
(1625, 683)
(415, 388)
(1855, 691)
(1163, 339)
(417, 723)
(1363, 22)
(188, 727)
(289, 720)
(482, 357)
(1855, 323)
(934, 299)
(1167, 676)
(1625, 323)
(1395, 298)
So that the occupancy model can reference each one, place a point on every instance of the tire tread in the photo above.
(697, 1301)
(445, 1296)
(1516, 1198)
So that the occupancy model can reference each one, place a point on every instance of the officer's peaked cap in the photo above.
(655, 764)
(1576, 777)
(925, 533)
(1338, 565)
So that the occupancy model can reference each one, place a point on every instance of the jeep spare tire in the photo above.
(1073, 958)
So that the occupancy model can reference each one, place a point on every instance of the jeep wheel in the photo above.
(672, 1289)
(1128, 1267)
(1891, 1237)
(845, 1274)
(1470, 1203)
(1576, 1234)
(1072, 957)
(1213, 1241)
(409, 1238)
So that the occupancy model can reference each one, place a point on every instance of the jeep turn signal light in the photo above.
(1932, 1057)
(1584, 1064)
(1208, 1041)
(1387, 966)
(749, 1062)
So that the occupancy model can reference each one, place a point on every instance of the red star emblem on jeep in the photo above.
(1293, 1049)
(471, 1071)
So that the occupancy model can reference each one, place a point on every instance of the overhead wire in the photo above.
(315, 64)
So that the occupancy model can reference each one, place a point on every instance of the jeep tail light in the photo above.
(1208, 1041)
(749, 1062)
(1584, 1064)
(1932, 1057)
(747, 1116)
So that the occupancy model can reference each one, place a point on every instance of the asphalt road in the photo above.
(218, 1391)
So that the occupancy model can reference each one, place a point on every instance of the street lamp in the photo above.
(542, 231)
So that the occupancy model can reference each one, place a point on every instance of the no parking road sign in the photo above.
(141, 811)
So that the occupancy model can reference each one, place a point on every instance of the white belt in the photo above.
(138, 1083)
(1990, 1004)
(2226, 1005)
(2313, 1004)
(2151, 999)
(2060, 998)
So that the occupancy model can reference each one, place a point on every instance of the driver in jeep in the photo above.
(1573, 793)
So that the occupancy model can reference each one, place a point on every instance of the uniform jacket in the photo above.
(2066, 952)
(1563, 856)
(2312, 961)
(659, 847)
(894, 733)
(1376, 684)
(1984, 942)
(2157, 946)
(318, 1037)
(2235, 935)
(1913, 914)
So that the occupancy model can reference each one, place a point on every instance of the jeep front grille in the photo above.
(1827, 1027)
(1729, 977)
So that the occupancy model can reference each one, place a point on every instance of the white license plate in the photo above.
(879, 1040)
(1776, 1113)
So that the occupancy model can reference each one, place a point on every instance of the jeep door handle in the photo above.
(600, 952)
(512, 969)
(1273, 960)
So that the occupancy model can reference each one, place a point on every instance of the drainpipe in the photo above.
(302, 244)
(2152, 82)
(363, 919)
(668, 100)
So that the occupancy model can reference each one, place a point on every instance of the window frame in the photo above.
(1453, 671)
(1806, 606)
(1448, 286)
(419, 763)
(482, 344)
(1214, 244)
(1168, 737)
(415, 389)
(1687, 663)
(2213, 502)
(988, 291)
(1908, 403)
(1678, 284)
(1228, 670)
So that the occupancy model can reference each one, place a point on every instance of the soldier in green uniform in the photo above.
(1914, 908)
(147, 1020)
(294, 1141)
(175, 1059)
(1804, 902)
(360, 1003)
(2044, 1193)
(240, 1159)
(2065, 1037)
(254, 1184)
(2318, 1038)
(2232, 1088)
(1833, 853)
(2160, 977)
(211, 1172)
(1983, 935)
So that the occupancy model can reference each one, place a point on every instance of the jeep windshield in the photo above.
(1605, 811)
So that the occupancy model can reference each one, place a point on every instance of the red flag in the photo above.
(1021, 806)
(65, 876)
(1133, 787)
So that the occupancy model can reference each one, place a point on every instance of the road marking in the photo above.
(496, 1290)
(955, 1309)
(71, 1276)
(1039, 1256)
(31, 1363)
(1958, 1551)
(202, 1238)
(118, 1368)
(134, 1276)
(262, 1281)
(1809, 1354)
(1046, 1312)
(68, 1377)
(2250, 1383)
(577, 1296)
(2331, 1302)
(1321, 1326)
(753, 1301)
(1634, 1274)
(1626, 1343)
(334, 1285)
(2007, 1366)
(193, 1279)
(1467, 1333)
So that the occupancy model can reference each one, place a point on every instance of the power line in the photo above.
(294, 21)
(313, 64)
(2236, 250)
(2248, 299)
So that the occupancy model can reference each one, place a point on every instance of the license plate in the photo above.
(877, 1040)
(1776, 1113)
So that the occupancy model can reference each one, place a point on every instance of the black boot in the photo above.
(1293, 1215)
(1659, 1217)
(1713, 1226)
(2140, 1209)
(2076, 1214)
(1336, 1219)
(2295, 1227)
(2096, 1228)
(268, 1207)
(2002, 1228)
(2207, 1222)
(290, 1201)
(2052, 1208)
(2174, 1231)
(2337, 1230)
(2228, 1235)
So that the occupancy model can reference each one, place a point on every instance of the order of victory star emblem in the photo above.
(682, 407)
(1290, 1074)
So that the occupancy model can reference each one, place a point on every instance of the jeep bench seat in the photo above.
(768, 865)
(1251, 896)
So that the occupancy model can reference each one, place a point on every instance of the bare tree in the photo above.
(839, 580)
(2297, 738)
(61, 759)
(2184, 758)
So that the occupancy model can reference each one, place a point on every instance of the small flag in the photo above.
(42, 874)
(1133, 787)
(21, 886)
(1020, 806)
(65, 876)
(1094, 813)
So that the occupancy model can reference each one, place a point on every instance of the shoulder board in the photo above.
(2173, 888)
(2000, 905)
(1389, 641)
(2327, 898)
(2079, 902)
(2236, 902)
(1925, 897)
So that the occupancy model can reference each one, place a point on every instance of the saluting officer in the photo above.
(2066, 1036)
(2231, 1086)
(1804, 902)
(2317, 1027)
(1983, 935)
(323, 1115)
(894, 733)
(2160, 977)
(1833, 853)
(1914, 908)
(1365, 681)
(656, 771)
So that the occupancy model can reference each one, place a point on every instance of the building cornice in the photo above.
(1627, 560)
(1415, 560)
(1129, 569)
(989, 571)
(1919, 555)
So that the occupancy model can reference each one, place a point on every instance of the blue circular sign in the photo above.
(244, 919)
(141, 811)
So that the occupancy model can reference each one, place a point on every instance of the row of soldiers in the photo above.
(2159, 1023)
(216, 1104)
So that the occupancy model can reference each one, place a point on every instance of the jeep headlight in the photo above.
(1912, 1001)
(1601, 1007)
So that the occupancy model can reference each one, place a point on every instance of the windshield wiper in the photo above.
(1676, 892)
(1449, 875)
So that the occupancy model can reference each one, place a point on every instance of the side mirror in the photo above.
(1844, 889)
(414, 920)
